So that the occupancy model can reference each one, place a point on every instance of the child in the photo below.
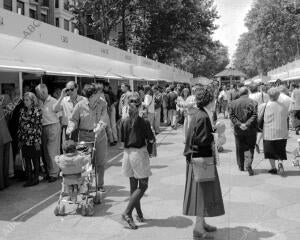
(71, 164)
(296, 154)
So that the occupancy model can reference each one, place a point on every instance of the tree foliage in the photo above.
(272, 38)
(171, 31)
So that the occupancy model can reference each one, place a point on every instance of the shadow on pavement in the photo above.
(164, 144)
(238, 233)
(171, 222)
(226, 151)
(159, 166)
(287, 173)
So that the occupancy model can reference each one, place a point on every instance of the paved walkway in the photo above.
(260, 207)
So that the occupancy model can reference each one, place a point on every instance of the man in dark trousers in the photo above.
(243, 114)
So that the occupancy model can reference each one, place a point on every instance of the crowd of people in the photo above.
(37, 125)
(261, 112)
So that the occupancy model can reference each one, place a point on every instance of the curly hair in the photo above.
(32, 98)
(204, 96)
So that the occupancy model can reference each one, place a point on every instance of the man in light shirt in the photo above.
(66, 103)
(296, 107)
(50, 132)
(223, 100)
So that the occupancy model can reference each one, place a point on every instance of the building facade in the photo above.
(54, 12)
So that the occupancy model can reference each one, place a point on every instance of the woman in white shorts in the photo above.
(135, 134)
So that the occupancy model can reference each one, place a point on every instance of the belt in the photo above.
(86, 130)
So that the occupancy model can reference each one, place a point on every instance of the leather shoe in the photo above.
(273, 171)
(199, 235)
(209, 228)
(250, 171)
(52, 179)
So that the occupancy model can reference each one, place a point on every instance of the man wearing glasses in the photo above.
(66, 103)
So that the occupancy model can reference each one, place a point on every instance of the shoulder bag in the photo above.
(203, 168)
(260, 119)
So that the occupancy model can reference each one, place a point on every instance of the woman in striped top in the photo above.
(275, 131)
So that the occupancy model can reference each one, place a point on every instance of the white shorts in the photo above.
(136, 163)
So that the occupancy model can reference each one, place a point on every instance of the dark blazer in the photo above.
(244, 111)
(199, 136)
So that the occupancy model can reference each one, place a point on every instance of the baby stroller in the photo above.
(79, 176)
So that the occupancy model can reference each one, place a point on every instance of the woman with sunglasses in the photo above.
(135, 134)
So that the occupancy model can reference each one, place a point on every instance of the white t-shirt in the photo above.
(149, 103)
(259, 97)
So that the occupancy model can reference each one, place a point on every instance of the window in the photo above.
(56, 3)
(8, 5)
(45, 3)
(57, 22)
(32, 13)
(66, 5)
(72, 26)
(20, 7)
(44, 18)
(66, 25)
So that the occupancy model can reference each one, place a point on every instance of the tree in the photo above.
(176, 32)
(272, 38)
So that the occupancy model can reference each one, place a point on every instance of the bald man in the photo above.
(243, 114)
(50, 132)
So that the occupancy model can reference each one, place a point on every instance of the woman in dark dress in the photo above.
(30, 137)
(202, 199)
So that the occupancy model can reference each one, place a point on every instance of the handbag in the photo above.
(203, 168)
(260, 119)
(152, 149)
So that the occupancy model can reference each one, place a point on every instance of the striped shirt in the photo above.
(275, 121)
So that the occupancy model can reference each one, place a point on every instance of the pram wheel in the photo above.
(90, 209)
(60, 210)
(97, 198)
(56, 211)
(83, 210)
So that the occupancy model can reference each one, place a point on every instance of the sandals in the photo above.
(140, 218)
(128, 222)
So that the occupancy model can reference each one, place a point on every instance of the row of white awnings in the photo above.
(35, 57)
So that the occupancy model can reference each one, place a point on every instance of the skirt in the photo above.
(202, 199)
(275, 149)
(136, 163)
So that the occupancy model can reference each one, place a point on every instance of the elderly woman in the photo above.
(275, 131)
(30, 137)
(202, 199)
(89, 117)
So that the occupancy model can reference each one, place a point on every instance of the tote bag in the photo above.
(204, 167)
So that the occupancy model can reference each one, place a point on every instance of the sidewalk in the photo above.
(260, 207)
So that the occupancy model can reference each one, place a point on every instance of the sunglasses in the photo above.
(70, 89)
(134, 101)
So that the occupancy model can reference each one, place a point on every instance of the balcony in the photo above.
(34, 2)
